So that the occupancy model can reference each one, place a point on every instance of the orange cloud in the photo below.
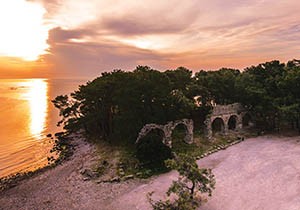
(88, 37)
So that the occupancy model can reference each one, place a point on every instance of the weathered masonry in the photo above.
(227, 117)
(167, 130)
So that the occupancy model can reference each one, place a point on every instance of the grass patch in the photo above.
(201, 144)
(122, 160)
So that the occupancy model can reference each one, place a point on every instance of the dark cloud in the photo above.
(129, 26)
(57, 35)
(193, 33)
(91, 58)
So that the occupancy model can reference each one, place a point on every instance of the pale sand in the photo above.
(261, 173)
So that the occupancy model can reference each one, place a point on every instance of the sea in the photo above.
(27, 115)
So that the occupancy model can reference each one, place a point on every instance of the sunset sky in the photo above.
(81, 38)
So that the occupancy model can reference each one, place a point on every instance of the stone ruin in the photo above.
(227, 117)
(224, 118)
(167, 130)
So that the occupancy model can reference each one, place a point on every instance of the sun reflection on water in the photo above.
(37, 97)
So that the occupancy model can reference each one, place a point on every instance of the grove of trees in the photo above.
(116, 105)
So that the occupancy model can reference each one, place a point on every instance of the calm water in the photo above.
(26, 117)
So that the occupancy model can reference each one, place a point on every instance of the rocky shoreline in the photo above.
(45, 188)
(65, 186)
(76, 169)
(12, 180)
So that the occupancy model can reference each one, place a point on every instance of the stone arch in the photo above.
(218, 125)
(232, 116)
(232, 122)
(179, 126)
(168, 129)
(156, 133)
(188, 125)
(246, 120)
(148, 128)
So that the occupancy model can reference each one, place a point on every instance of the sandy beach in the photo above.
(259, 173)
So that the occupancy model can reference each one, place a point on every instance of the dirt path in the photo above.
(258, 174)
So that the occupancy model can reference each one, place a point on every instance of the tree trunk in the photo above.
(192, 190)
(297, 125)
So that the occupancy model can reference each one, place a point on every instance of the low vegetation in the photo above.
(152, 153)
(117, 162)
(62, 148)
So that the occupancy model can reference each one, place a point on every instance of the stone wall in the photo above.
(225, 112)
(167, 130)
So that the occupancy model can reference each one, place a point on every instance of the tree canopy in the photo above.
(117, 104)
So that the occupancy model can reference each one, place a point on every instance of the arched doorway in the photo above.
(246, 120)
(232, 122)
(179, 131)
(167, 130)
(218, 125)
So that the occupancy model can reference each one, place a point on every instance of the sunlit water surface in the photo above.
(26, 117)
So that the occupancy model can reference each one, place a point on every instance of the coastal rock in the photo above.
(115, 179)
(128, 177)
(88, 173)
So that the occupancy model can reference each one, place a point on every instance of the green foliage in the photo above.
(217, 86)
(61, 147)
(271, 90)
(152, 153)
(116, 105)
(69, 110)
(192, 182)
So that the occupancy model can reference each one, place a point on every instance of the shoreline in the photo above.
(12, 180)
(64, 180)
(45, 190)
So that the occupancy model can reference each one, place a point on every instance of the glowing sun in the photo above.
(23, 33)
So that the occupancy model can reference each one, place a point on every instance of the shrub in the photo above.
(152, 153)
